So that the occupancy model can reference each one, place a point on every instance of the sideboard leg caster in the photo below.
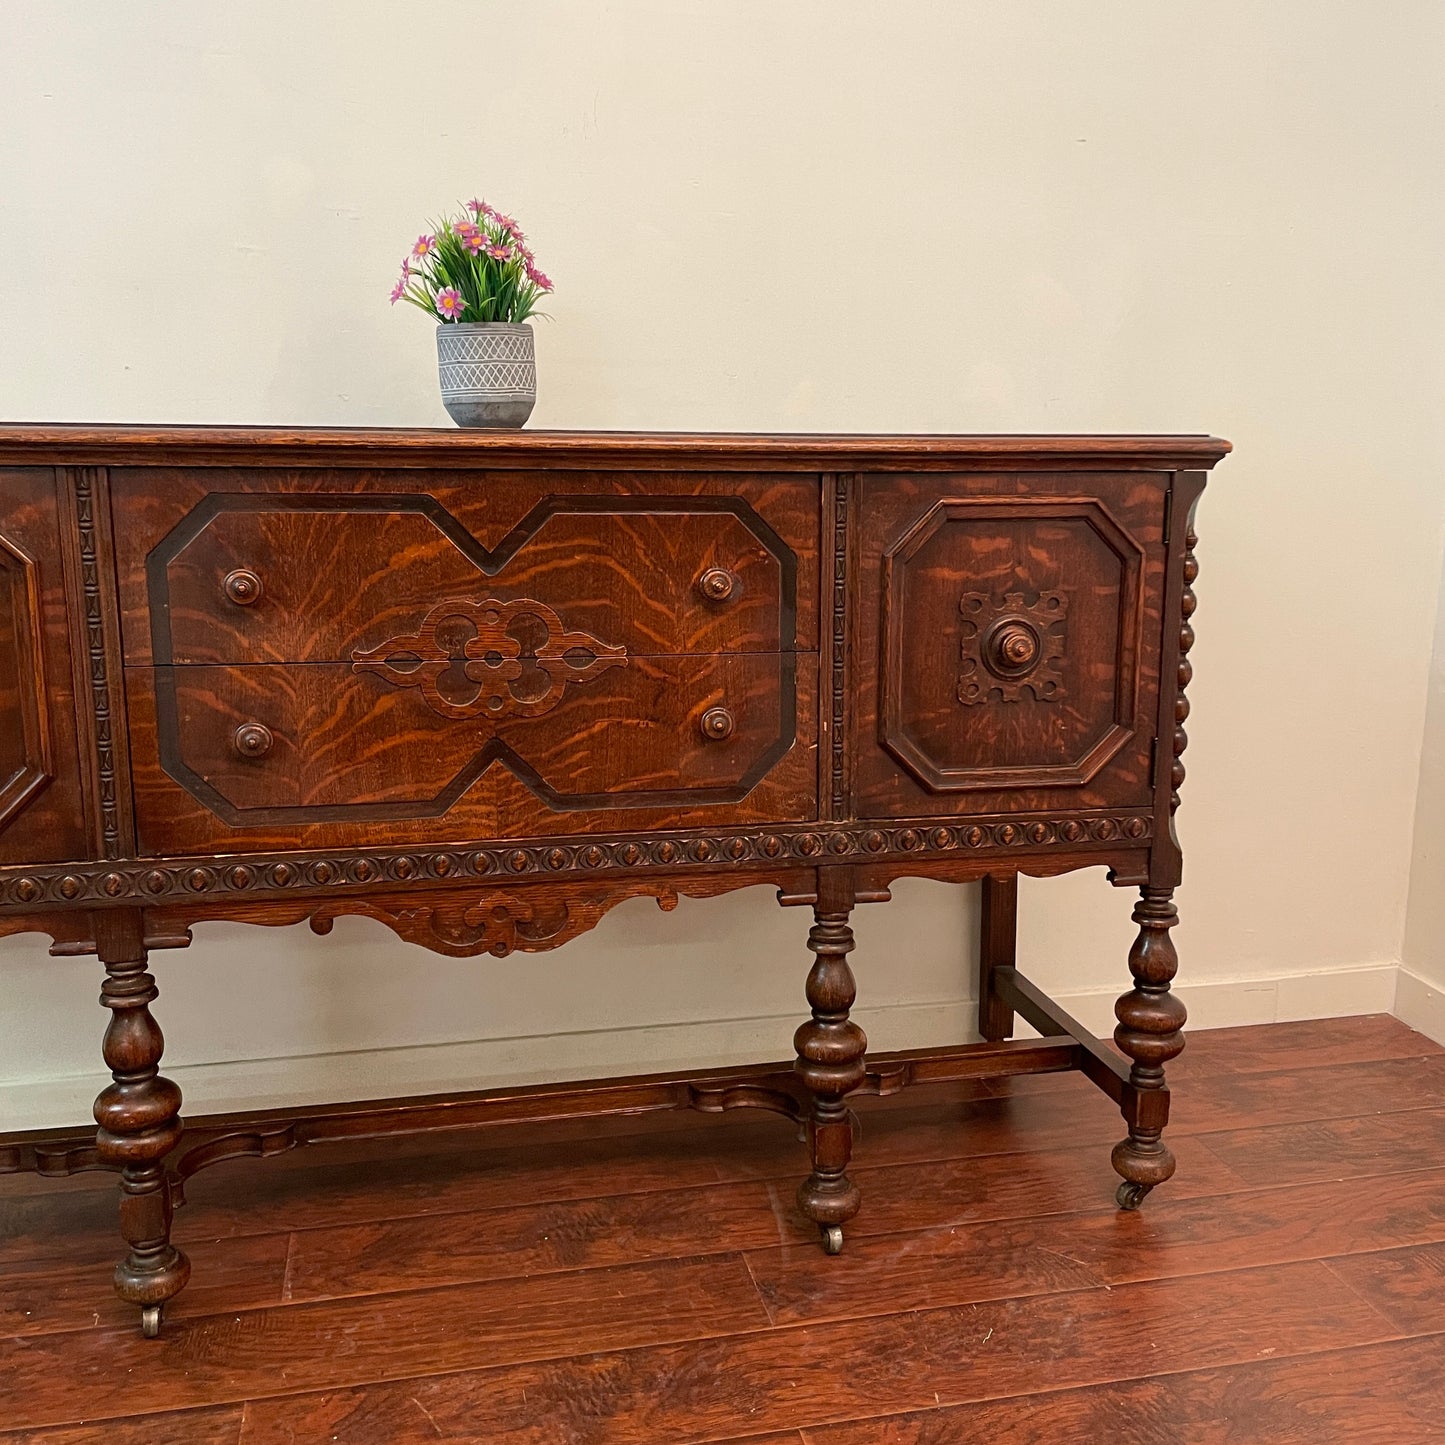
(830, 1061)
(1130, 1196)
(138, 1114)
(1151, 1020)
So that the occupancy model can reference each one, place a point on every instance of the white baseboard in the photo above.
(441, 1068)
(1421, 1005)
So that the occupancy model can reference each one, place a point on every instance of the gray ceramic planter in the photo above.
(488, 372)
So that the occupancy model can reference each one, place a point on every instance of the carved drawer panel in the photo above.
(42, 815)
(1008, 642)
(559, 735)
(251, 567)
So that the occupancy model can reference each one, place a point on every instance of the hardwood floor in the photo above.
(650, 1281)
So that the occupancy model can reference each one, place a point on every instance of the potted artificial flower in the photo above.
(475, 273)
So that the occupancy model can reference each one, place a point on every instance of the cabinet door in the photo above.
(41, 812)
(1007, 641)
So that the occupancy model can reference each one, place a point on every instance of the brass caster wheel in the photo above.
(832, 1238)
(1131, 1196)
(150, 1320)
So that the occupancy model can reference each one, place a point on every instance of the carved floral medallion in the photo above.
(1012, 648)
(491, 659)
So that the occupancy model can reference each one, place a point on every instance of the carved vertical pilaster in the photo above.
(1149, 1032)
(838, 654)
(138, 1115)
(98, 666)
(1187, 604)
(830, 1060)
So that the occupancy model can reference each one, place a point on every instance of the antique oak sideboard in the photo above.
(482, 687)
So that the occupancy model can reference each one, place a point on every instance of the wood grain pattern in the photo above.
(193, 1427)
(43, 1296)
(41, 808)
(1327, 1148)
(1387, 1394)
(355, 762)
(1014, 1254)
(26, 731)
(850, 1368)
(1309, 1043)
(348, 559)
(223, 1359)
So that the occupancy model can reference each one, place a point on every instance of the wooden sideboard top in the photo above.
(76, 445)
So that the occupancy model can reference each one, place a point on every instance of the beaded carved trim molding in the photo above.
(173, 881)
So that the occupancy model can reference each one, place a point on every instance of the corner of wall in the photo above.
(1420, 997)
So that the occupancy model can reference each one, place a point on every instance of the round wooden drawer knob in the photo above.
(242, 587)
(253, 740)
(717, 724)
(717, 584)
(1013, 648)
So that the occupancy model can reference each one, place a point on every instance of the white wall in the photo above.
(830, 214)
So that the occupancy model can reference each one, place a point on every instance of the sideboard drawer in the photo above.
(1009, 633)
(248, 567)
(232, 755)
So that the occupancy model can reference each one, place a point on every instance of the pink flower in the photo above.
(466, 228)
(449, 303)
(499, 252)
(539, 279)
(405, 267)
(398, 291)
(481, 208)
(507, 224)
(473, 242)
(425, 245)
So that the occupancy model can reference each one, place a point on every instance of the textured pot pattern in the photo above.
(488, 372)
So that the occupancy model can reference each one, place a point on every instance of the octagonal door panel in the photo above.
(41, 811)
(1008, 637)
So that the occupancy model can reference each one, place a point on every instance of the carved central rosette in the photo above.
(491, 659)
(1012, 647)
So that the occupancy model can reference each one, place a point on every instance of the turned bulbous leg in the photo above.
(830, 1063)
(1149, 1032)
(139, 1125)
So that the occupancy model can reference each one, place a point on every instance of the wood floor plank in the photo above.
(1270, 1048)
(252, 1196)
(44, 1296)
(220, 1359)
(182, 1427)
(1388, 1394)
(1037, 1255)
(1287, 1096)
(1405, 1285)
(786, 1437)
(527, 1239)
(1372, 1144)
(787, 1379)
(1224, 1100)
(1308, 1044)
